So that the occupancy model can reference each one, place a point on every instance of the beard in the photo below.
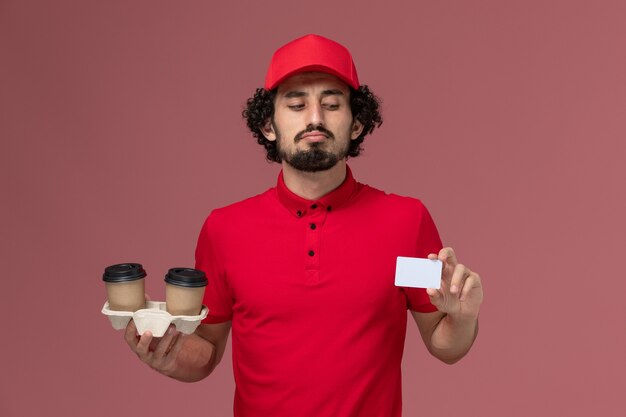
(314, 159)
(311, 160)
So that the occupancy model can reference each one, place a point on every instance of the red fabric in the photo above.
(315, 333)
(311, 53)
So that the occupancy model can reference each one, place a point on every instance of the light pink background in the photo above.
(120, 130)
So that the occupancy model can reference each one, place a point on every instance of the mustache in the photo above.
(312, 128)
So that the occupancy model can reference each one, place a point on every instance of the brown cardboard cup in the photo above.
(184, 291)
(125, 286)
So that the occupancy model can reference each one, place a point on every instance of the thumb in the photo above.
(435, 295)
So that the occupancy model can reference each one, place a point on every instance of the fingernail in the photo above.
(454, 289)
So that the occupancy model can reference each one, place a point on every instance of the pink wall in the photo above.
(120, 131)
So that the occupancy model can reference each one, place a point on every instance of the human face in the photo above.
(312, 123)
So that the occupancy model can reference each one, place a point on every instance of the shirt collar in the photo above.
(299, 206)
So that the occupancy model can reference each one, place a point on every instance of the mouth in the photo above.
(314, 136)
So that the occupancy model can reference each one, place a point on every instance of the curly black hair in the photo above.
(260, 107)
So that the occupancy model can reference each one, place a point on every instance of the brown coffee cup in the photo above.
(184, 291)
(125, 286)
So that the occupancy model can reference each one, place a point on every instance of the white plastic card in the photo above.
(418, 272)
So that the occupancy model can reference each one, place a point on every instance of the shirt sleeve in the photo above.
(217, 295)
(428, 241)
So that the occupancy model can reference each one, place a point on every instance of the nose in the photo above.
(315, 115)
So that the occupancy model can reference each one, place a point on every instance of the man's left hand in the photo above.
(461, 292)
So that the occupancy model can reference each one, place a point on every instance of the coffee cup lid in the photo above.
(123, 272)
(186, 277)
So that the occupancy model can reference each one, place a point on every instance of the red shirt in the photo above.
(318, 325)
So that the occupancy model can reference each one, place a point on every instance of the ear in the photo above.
(357, 128)
(268, 130)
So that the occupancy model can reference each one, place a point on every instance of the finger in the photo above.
(143, 345)
(174, 342)
(178, 345)
(432, 256)
(447, 256)
(471, 283)
(436, 297)
(448, 259)
(168, 362)
(461, 272)
(166, 341)
(130, 334)
(154, 343)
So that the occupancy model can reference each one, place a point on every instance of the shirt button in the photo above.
(313, 226)
(311, 253)
(314, 206)
(299, 213)
(329, 208)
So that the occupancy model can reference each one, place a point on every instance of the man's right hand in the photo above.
(159, 353)
(187, 358)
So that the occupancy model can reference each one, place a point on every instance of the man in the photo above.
(304, 273)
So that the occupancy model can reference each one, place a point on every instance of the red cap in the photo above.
(311, 53)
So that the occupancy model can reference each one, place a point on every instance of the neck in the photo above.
(313, 185)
